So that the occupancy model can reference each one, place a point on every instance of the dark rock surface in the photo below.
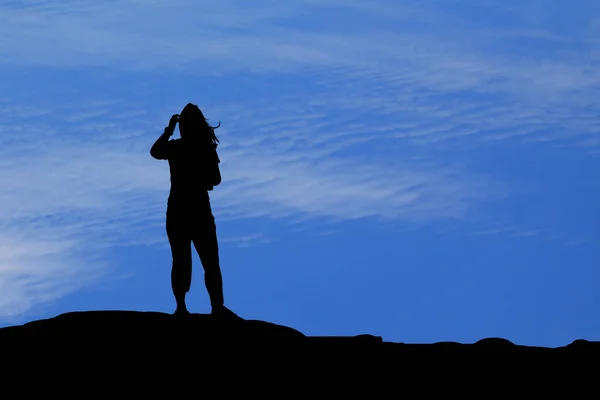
(100, 343)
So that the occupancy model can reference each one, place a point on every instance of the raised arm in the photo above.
(159, 148)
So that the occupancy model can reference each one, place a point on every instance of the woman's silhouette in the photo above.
(194, 169)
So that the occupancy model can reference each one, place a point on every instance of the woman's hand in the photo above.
(173, 122)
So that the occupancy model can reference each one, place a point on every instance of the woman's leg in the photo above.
(207, 246)
(181, 272)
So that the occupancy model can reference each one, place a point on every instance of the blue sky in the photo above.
(420, 170)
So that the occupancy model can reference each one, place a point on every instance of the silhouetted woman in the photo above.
(194, 168)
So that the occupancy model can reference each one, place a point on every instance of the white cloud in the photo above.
(39, 267)
(80, 171)
(246, 240)
(416, 63)
(96, 194)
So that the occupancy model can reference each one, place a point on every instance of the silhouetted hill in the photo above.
(143, 341)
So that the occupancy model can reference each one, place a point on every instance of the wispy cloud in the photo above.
(513, 231)
(100, 188)
(246, 240)
(421, 71)
(37, 267)
(402, 83)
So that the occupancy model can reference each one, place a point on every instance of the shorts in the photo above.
(190, 223)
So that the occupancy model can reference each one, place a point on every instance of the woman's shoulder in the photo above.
(173, 148)
(175, 143)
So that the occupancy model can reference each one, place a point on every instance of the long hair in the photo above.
(192, 117)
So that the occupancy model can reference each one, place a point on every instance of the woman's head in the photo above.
(193, 125)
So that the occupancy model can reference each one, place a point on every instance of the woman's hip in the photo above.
(190, 225)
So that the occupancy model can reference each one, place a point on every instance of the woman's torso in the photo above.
(187, 169)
